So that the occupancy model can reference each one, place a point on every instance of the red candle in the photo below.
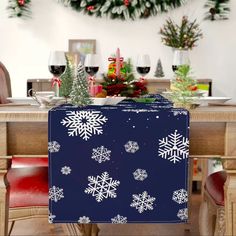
(118, 62)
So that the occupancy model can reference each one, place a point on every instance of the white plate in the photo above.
(31, 101)
(205, 100)
(114, 100)
(99, 101)
(22, 100)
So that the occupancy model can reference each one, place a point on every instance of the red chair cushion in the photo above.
(28, 186)
(215, 186)
(21, 161)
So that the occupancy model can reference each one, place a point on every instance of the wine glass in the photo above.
(91, 64)
(143, 65)
(181, 57)
(57, 66)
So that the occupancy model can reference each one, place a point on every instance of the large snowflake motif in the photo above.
(84, 123)
(102, 186)
(142, 202)
(53, 146)
(174, 147)
(101, 154)
(119, 220)
(131, 147)
(140, 174)
(180, 196)
(183, 214)
(51, 218)
(55, 193)
(84, 220)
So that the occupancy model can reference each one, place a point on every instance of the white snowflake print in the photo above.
(140, 174)
(142, 202)
(102, 187)
(119, 220)
(131, 147)
(65, 170)
(51, 217)
(101, 154)
(180, 196)
(183, 214)
(53, 146)
(56, 194)
(84, 220)
(180, 112)
(174, 147)
(84, 123)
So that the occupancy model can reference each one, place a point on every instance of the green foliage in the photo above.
(67, 79)
(125, 10)
(80, 94)
(218, 10)
(183, 36)
(17, 9)
(183, 87)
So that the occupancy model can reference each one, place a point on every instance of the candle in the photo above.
(118, 62)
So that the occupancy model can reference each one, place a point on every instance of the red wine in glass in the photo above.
(174, 68)
(143, 70)
(57, 66)
(91, 70)
(143, 65)
(57, 70)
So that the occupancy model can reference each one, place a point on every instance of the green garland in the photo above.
(123, 9)
(19, 8)
(218, 9)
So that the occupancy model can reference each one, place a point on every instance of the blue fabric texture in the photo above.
(126, 163)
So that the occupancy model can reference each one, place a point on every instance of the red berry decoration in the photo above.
(126, 3)
(21, 2)
(90, 8)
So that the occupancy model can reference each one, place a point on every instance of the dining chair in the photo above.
(212, 210)
(27, 178)
(5, 85)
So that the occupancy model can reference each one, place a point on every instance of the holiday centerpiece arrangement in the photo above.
(181, 38)
(120, 79)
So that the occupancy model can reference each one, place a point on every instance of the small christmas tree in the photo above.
(159, 70)
(67, 79)
(80, 94)
(184, 87)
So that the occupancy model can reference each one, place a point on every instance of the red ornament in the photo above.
(90, 8)
(21, 2)
(126, 3)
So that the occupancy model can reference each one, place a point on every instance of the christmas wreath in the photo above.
(123, 9)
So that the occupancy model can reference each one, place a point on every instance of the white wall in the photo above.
(25, 44)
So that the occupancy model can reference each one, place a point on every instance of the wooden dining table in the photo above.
(24, 130)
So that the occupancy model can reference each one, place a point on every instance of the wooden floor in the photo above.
(41, 227)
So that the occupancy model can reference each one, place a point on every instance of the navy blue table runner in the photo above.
(118, 164)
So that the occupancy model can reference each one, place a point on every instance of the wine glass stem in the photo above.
(57, 90)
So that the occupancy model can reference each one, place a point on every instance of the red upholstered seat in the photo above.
(215, 186)
(28, 180)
